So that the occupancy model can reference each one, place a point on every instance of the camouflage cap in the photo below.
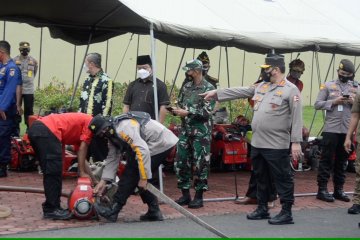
(204, 58)
(273, 60)
(24, 45)
(193, 64)
(347, 66)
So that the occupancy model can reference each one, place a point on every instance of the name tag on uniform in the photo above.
(340, 108)
(30, 74)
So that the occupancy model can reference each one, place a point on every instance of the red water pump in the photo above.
(81, 200)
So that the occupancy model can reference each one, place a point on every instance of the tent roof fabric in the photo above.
(252, 25)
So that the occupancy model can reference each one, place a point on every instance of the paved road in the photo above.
(335, 223)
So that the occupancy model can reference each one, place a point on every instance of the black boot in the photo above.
(261, 212)
(109, 213)
(185, 198)
(340, 195)
(324, 195)
(284, 217)
(355, 209)
(198, 200)
(153, 213)
(3, 170)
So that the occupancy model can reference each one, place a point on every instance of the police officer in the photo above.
(336, 97)
(140, 93)
(10, 76)
(277, 110)
(355, 117)
(193, 149)
(28, 66)
(96, 98)
(146, 144)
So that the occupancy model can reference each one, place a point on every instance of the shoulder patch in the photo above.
(12, 72)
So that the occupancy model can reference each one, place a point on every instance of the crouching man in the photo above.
(48, 136)
(146, 144)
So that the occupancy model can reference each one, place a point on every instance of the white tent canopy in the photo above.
(252, 25)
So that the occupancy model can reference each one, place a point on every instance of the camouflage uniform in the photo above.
(356, 196)
(193, 149)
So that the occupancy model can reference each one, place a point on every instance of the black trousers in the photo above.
(273, 163)
(28, 107)
(98, 148)
(48, 150)
(130, 179)
(252, 189)
(6, 128)
(333, 159)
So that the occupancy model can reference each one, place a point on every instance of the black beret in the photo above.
(347, 66)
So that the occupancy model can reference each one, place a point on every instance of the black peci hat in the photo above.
(142, 60)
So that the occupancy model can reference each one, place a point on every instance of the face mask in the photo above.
(266, 76)
(143, 73)
(188, 77)
(85, 68)
(24, 52)
(345, 79)
(295, 74)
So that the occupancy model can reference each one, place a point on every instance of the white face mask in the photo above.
(143, 73)
(85, 68)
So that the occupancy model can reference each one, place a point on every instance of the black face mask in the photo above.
(345, 79)
(266, 76)
(24, 52)
(295, 74)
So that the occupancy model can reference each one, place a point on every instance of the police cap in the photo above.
(99, 123)
(273, 60)
(347, 66)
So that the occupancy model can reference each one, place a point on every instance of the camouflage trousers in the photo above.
(356, 197)
(193, 161)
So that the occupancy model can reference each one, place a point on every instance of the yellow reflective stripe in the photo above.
(106, 111)
(138, 154)
(91, 97)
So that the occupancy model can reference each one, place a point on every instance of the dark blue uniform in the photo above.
(10, 77)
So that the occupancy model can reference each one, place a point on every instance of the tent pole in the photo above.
(177, 72)
(312, 76)
(73, 80)
(4, 30)
(107, 55)
(243, 69)
(228, 78)
(137, 53)
(194, 53)
(40, 53)
(166, 56)
(82, 63)
(219, 64)
(122, 59)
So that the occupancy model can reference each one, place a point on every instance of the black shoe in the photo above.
(58, 214)
(183, 200)
(355, 209)
(3, 172)
(152, 216)
(324, 195)
(261, 212)
(340, 195)
(284, 217)
(109, 213)
(196, 203)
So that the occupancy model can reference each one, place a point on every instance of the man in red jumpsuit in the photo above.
(48, 136)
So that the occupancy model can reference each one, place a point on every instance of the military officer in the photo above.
(336, 97)
(193, 149)
(277, 110)
(355, 117)
(28, 66)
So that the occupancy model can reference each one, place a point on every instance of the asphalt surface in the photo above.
(320, 223)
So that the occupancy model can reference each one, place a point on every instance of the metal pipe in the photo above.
(40, 53)
(153, 60)
(27, 190)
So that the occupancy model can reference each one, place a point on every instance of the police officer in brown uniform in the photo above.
(28, 66)
(355, 117)
(336, 97)
(277, 110)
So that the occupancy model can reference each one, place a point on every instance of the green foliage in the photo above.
(56, 96)
(118, 97)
